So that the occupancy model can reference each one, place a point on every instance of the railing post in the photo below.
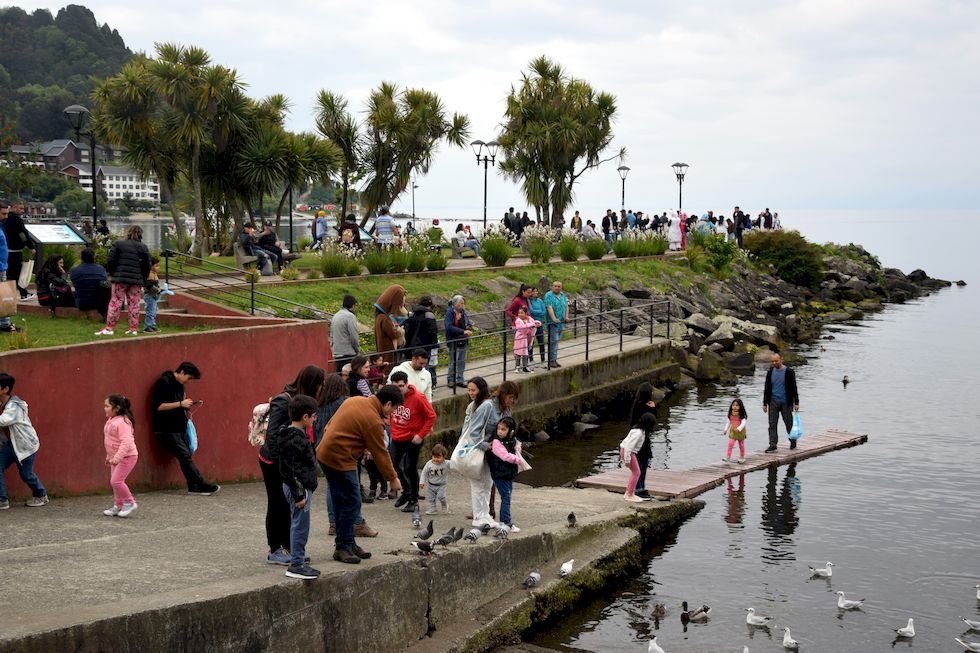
(547, 344)
(586, 338)
(668, 319)
(651, 324)
(503, 334)
(620, 330)
(575, 319)
(166, 270)
(251, 284)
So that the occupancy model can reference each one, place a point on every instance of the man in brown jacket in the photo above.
(358, 425)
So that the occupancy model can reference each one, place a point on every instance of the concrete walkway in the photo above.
(67, 564)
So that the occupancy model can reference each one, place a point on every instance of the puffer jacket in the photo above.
(129, 262)
(297, 463)
(22, 434)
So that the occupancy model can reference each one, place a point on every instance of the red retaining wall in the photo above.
(65, 388)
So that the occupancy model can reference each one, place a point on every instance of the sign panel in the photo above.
(55, 234)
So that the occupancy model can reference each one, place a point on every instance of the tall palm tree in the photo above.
(335, 123)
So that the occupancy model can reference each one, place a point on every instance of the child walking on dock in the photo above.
(735, 430)
(629, 448)
(435, 473)
(120, 453)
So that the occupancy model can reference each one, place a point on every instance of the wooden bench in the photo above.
(289, 258)
(460, 252)
(241, 259)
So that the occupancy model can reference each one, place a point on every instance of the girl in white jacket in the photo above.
(628, 449)
(18, 444)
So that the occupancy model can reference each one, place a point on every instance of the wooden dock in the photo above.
(682, 484)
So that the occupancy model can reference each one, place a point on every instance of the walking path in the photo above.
(686, 483)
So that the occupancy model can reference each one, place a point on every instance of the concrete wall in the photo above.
(65, 388)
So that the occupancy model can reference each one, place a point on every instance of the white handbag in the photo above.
(26, 272)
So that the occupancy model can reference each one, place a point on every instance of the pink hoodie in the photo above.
(524, 335)
(119, 440)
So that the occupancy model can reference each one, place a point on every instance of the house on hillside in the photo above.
(115, 182)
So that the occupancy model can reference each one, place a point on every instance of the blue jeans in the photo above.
(4, 321)
(505, 488)
(345, 490)
(554, 335)
(330, 511)
(299, 528)
(24, 467)
(150, 321)
(474, 245)
(457, 364)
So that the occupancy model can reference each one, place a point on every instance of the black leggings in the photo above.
(176, 443)
(407, 466)
(278, 514)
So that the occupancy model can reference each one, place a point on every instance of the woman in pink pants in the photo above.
(628, 449)
(120, 453)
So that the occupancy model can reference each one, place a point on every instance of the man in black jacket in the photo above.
(170, 423)
(422, 331)
(780, 397)
(250, 246)
(17, 240)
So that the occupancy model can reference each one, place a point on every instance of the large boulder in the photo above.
(723, 335)
(917, 276)
(701, 322)
(771, 305)
(759, 333)
(710, 366)
(740, 363)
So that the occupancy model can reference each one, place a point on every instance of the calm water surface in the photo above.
(899, 516)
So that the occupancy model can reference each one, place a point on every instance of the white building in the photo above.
(116, 182)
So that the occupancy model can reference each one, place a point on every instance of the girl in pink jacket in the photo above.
(524, 330)
(120, 453)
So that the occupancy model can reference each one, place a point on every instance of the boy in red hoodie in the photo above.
(410, 423)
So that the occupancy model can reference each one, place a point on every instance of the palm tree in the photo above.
(335, 123)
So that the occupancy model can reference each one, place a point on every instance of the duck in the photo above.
(972, 625)
(823, 572)
(848, 604)
(659, 611)
(696, 615)
(845, 380)
(753, 619)
(907, 632)
(789, 643)
(969, 646)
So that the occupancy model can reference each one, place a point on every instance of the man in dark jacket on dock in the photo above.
(780, 397)
(17, 240)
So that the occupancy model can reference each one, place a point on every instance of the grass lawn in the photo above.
(42, 331)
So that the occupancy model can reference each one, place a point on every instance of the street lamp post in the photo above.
(414, 186)
(77, 115)
(623, 171)
(486, 161)
(680, 169)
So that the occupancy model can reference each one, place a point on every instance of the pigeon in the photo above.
(425, 533)
(425, 548)
(969, 646)
(473, 535)
(753, 619)
(532, 580)
(972, 625)
(659, 611)
(654, 647)
(458, 534)
(824, 572)
(572, 520)
(502, 533)
(485, 529)
(697, 614)
(847, 604)
(789, 643)
(416, 518)
(907, 632)
(447, 539)
(566, 568)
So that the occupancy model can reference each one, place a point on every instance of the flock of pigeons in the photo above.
(700, 615)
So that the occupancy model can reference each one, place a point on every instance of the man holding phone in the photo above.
(170, 423)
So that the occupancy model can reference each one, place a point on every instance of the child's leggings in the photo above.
(634, 474)
(741, 448)
(120, 491)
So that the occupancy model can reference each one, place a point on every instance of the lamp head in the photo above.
(680, 169)
(623, 171)
(477, 148)
(77, 115)
(492, 149)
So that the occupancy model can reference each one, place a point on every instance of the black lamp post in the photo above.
(414, 186)
(623, 171)
(77, 115)
(680, 169)
(486, 161)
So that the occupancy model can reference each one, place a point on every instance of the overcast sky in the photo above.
(795, 104)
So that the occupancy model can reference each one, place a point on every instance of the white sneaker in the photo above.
(132, 332)
(127, 509)
(632, 498)
(105, 332)
(741, 460)
(726, 459)
(111, 512)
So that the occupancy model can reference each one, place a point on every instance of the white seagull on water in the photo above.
(822, 572)
(654, 647)
(907, 632)
(972, 625)
(755, 620)
(848, 604)
(969, 646)
(789, 643)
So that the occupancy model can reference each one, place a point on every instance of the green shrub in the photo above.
(651, 244)
(416, 261)
(568, 248)
(436, 261)
(333, 262)
(721, 252)
(539, 250)
(376, 260)
(697, 239)
(289, 274)
(595, 249)
(313, 273)
(624, 247)
(253, 275)
(495, 250)
(304, 242)
(354, 268)
(397, 260)
(794, 259)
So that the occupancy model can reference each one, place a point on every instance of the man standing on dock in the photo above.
(782, 398)
(556, 303)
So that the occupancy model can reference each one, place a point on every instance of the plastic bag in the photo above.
(796, 432)
(191, 436)
(468, 461)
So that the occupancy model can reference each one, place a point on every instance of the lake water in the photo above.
(898, 516)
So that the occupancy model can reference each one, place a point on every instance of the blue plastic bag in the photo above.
(796, 432)
(191, 436)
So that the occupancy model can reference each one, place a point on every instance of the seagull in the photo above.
(969, 646)
(532, 580)
(566, 568)
(972, 625)
(654, 647)
(824, 572)
(572, 520)
(659, 611)
(502, 533)
(847, 604)
(977, 587)
(789, 643)
(425, 548)
(697, 614)
(907, 632)
(755, 620)
(426, 533)
(473, 535)
(745, 649)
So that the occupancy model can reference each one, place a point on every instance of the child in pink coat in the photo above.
(120, 453)
(524, 330)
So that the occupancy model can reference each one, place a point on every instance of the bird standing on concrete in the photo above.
(907, 632)
(416, 518)
(426, 533)
(566, 568)
(789, 643)
(425, 548)
(458, 534)
(823, 572)
(759, 621)
(654, 647)
(572, 520)
(848, 604)
(473, 535)
(532, 580)
(502, 533)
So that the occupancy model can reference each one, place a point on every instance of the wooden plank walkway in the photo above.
(682, 484)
